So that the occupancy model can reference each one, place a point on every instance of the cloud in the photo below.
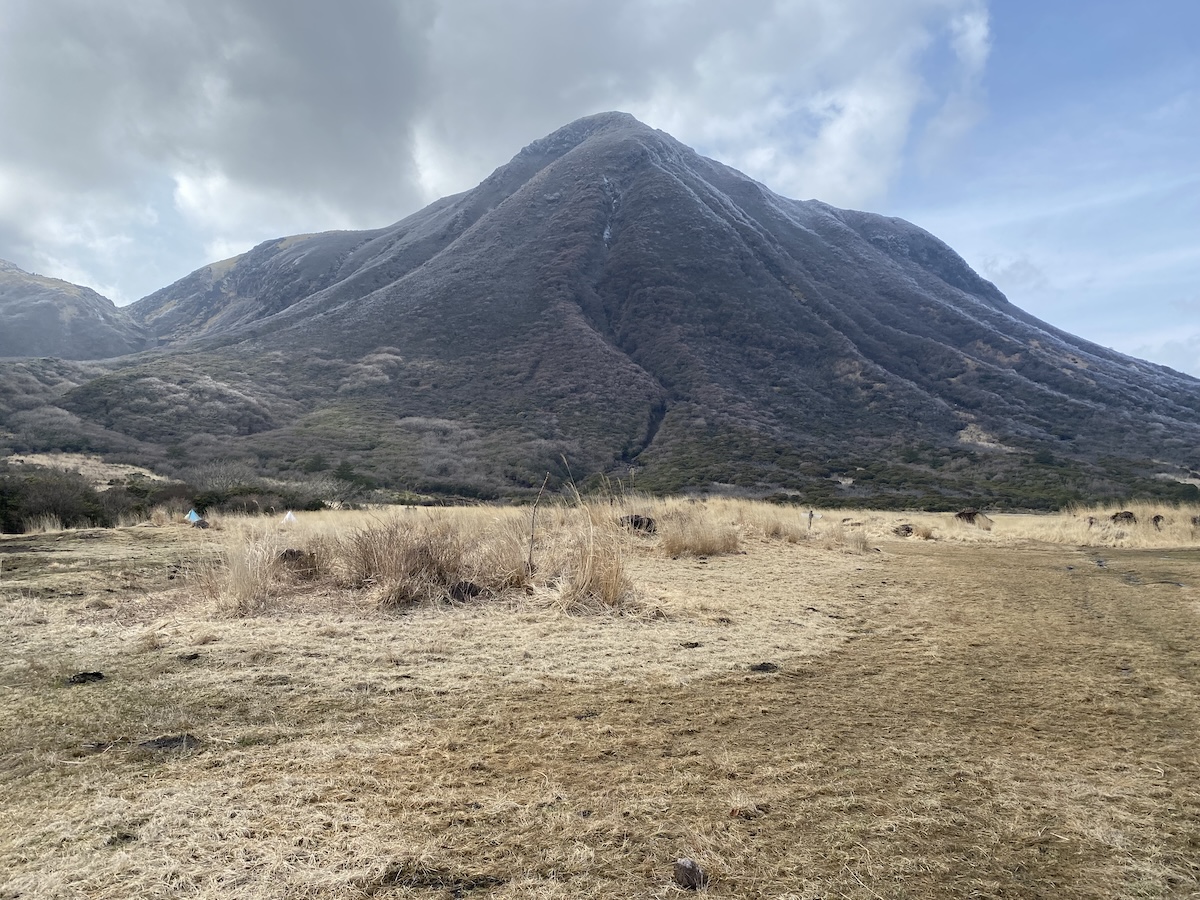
(962, 108)
(1180, 351)
(142, 136)
(1011, 273)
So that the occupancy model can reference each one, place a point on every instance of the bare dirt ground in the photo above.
(989, 718)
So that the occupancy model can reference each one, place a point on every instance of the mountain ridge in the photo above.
(613, 298)
(50, 317)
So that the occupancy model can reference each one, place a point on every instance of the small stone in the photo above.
(764, 667)
(689, 875)
(85, 677)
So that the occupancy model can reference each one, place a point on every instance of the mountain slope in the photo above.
(47, 317)
(612, 298)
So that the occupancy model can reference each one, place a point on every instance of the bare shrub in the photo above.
(924, 532)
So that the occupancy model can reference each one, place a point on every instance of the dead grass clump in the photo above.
(924, 532)
(856, 542)
(696, 532)
(455, 555)
(592, 575)
(46, 523)
(782, 523)
(412, 562)
(245, 580)
(502, 560)
(848, 541)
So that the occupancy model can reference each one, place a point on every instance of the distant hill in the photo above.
(48, 317)
(612, 299)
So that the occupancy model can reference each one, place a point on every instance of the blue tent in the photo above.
(193, 516)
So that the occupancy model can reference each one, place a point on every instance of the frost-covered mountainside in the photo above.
(611, 298)
(47, 317)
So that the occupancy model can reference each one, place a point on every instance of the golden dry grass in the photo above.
(983, 714)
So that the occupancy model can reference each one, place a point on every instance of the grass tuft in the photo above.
(688, 531)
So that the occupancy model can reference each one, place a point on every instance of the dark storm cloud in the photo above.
(296, 95)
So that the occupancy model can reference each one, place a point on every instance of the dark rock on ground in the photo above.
(971, 516)
(688, 875)
(635, 522)
(903, 530)
(764, 667)
(85, 677)
(462, 591)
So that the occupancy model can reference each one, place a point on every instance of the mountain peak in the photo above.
(613, 298)
(575, 133)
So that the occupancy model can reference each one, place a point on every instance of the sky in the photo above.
(1056, 146)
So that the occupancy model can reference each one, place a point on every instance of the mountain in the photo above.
(611, 303)
(46, 317)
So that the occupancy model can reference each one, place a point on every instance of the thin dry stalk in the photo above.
(533, 525)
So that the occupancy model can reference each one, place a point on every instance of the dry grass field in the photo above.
(402, 708)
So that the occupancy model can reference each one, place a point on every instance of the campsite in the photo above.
(858, 704)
